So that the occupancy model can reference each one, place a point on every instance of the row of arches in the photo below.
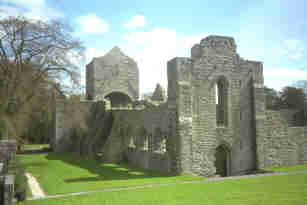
(140, 139)
(148, 143)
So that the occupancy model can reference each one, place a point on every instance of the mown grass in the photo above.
(272, 190)
(66, 173)
(300, 167)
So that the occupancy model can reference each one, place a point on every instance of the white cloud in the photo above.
(278, 78)
(33, 9)
(292, 44)
(296, 56)
(153, 49)
(93, 53)
(293, 49)
(28, 3)
(136, 21)
(92, 24)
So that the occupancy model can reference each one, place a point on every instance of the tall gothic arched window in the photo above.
(221, 88)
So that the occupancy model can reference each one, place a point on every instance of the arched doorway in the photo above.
(222, 161)
(118, 99)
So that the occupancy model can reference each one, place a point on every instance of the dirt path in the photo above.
(174, 183)
(36, 190)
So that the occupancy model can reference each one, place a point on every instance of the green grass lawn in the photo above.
(269, 190)
(66, 173)
(300, 167)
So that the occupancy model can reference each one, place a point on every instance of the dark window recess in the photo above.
(222, 102)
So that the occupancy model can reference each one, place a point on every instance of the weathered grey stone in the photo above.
(213, 122)
(159, 94)
(112, 73)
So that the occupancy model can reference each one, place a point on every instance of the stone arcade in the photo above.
(213, 122)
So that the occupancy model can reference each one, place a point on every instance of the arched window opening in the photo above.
(221, 96)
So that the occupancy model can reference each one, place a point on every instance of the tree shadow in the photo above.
(34, 164)
(104, 171)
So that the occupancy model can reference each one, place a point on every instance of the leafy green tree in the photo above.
(292, 98)
(272, 98)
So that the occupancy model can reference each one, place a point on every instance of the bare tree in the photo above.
(44, 51)
(35, 57)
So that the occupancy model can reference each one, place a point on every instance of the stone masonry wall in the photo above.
(282, 145)
(180, 114)
(192, 99)
(140, 137)
(113, 72)
(183, 135)
(69, 116)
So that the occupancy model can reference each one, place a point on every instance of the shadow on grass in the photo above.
(38, 151)
(105, 171)
(34, 164)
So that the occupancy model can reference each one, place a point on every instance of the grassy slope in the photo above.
(64, 173)
(300, 167)
(273, 190)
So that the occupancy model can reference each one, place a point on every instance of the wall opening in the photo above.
(118, 99)
(104, 132)
(222, 161)
(221, 100)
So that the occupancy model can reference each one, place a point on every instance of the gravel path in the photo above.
(36, 190)
(207, 180)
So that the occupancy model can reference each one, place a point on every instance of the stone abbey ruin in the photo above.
(213, 120)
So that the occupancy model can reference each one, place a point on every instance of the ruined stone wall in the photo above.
(180, 114)
(139, 137)
(282, 145)
(192, 102)
(244, 158)
(100, 122)
(69, 117)
(184, 134)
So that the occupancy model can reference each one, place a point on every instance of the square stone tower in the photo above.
(113, 76)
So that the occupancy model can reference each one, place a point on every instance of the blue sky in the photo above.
(153, 32)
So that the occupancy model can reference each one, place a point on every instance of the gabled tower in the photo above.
(114, 76)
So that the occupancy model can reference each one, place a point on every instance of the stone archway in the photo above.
(222, 161)
(118, 99)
